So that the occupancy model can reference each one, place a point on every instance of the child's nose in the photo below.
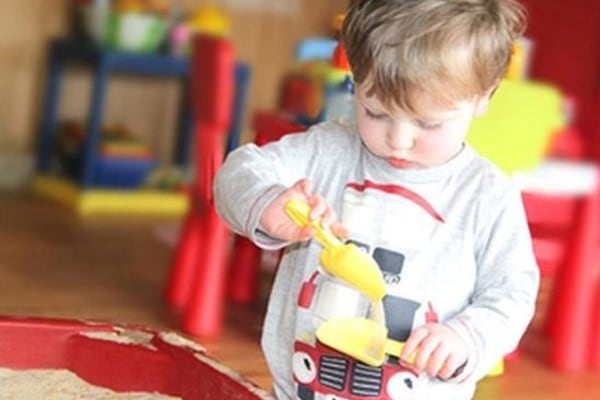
(401, 136)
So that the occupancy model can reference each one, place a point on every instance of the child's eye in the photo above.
(373, 115)
(429, 126)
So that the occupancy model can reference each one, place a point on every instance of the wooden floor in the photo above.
(55, 264)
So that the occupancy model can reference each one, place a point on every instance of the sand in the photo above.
(60, 384)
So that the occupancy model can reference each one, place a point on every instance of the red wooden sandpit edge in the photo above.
(161, 362)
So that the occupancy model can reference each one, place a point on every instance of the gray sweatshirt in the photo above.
(452, 243)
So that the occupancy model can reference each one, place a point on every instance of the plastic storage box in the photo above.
(122, 172)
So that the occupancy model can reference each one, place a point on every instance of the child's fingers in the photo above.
(424, 352)
(437, 360)
(329, 217)
(318, 209)
(339, 230)
(453, 362)
(305, 233)
(304, 187)
(412, 344)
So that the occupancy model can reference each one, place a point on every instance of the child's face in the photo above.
(407, 140)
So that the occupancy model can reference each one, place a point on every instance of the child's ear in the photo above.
(481, 106)
(483, 101)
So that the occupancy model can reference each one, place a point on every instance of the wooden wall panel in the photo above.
(148, 107)
(24, 29)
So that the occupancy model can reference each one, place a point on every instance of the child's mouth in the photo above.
(399, 162)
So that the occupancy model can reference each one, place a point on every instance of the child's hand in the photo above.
(275, 222)
(438, 350)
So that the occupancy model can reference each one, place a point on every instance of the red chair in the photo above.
(196, 283)
(245, 260)
(566, 232)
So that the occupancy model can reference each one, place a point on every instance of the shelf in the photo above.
(84, 194)
(104, 62)
(103, 201)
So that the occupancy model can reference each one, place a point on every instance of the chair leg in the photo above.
(244, 271)
(186, 261)
(204, 312)
(574, 293)
(595, 331)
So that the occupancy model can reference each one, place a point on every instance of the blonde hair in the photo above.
(451, 50)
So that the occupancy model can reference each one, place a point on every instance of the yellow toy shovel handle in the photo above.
(344, 261)
(394, 347)
(299, 212)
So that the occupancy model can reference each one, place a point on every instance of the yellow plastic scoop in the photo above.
(344, 261)
(359, 338)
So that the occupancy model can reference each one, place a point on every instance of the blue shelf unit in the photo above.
(105, 62)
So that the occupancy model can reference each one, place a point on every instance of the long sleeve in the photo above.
(253, 176)
(503, 301)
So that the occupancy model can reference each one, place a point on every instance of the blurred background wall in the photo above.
(566, 39)
(265, 33)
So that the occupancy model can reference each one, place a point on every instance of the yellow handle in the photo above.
(395, 347)
(344, 261)
(299, 212)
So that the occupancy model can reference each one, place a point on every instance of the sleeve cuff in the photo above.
(260, 238)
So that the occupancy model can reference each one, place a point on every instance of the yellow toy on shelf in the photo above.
(519, 62)
(207, 20)
(210, 20)
(337, 22)
(107, 201)
(156, 6)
